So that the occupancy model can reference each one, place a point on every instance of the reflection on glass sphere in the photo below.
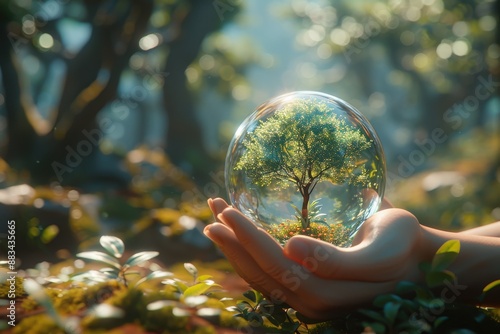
(306, 163)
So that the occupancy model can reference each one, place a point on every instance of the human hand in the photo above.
(317, 278)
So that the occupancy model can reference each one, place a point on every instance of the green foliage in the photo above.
(295, 146)
(93, 306)
(115, 248)
(413, 308)
(314, 214)
(260, 312)
(431, 308)
(435, 272)
(336, 234)
(194, 292)
(300, 145)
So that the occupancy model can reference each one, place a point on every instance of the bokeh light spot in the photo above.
(444, 51)
(45, 41)
(460, 48)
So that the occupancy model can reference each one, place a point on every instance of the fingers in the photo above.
(259, 260)
(382, 252)
(245, 265)
(217, 205)
(266, 251)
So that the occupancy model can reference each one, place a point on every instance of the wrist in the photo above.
(474, 266)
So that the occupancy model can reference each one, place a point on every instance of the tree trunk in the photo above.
(305, 205)
(184, 134)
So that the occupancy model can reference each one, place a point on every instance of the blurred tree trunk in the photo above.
(184, 134)
(21, 134)
(91, 83)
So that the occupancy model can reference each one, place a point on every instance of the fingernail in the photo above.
(212, 236)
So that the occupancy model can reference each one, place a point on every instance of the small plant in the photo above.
(336, 234)
(419, 309)
(256, 310)
(116, 270)
(412, 309)
(314, 214)
(189, 295)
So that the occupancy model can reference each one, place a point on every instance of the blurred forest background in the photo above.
(115, 116)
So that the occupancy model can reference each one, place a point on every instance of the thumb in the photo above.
(384, 243)
(324, 259)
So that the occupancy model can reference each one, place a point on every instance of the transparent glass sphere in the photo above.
(306, 163)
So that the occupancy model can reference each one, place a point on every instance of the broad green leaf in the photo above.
(374, 315)
(404, 287)
(113, 245)
(197, 289)
(250, 294)
(445, 255)
(181, 285)
(425, 267)
(438, 278)
(279, 314)
(491, 285)
(203, 278)
(49, 233)
(140, 257)
(391, 311)
(96, 275)
(381, 300)
(153, 275)
(435, 303)
(243, 305)
(100, 257)
(191, 269)
(439, 321)
(254, 319)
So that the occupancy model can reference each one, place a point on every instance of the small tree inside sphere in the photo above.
(300, 145)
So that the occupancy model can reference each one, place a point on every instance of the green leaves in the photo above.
(199, 288)
(140, 258)
(257, 311)
(445, 255)
(302, 143)
(115, 247)
(491, 285)
(435, 272)
(112, 245)
(100, 257)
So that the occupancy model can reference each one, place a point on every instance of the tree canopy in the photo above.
(302, 143)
